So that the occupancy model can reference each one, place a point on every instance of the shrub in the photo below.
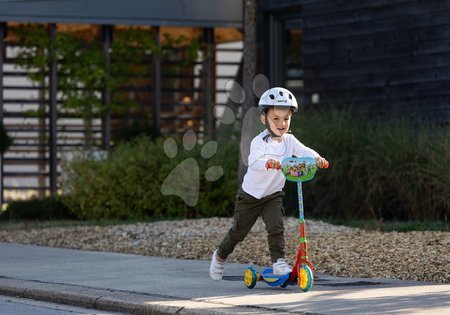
(127, 185)
(381, 170)
(48, 208)
(5, 139)
(378, 170)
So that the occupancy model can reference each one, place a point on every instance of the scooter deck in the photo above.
(273, 280)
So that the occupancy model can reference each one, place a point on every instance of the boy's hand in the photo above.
(321, 162)
(273, 164)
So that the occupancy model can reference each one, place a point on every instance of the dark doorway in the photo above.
(284, 54)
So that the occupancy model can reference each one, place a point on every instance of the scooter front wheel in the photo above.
(305, 277)
(250, 277)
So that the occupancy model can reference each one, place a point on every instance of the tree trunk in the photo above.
(248, 107)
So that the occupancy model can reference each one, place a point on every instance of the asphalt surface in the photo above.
(20, 306)
(154, 285)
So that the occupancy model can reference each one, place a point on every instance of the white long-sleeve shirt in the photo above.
(260, 182)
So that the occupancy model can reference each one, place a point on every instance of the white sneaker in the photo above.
(281, 268)
(216, 268)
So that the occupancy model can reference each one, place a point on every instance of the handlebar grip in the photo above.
(268, 166)
(326, 165)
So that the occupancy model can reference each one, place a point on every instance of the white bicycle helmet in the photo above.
(277, 97)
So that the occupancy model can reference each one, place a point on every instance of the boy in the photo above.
(261, 192)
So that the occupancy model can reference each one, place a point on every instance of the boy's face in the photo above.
(279, 120)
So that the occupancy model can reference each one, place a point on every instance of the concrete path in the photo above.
(155, 285)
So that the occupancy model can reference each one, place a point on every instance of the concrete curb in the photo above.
(119, 301)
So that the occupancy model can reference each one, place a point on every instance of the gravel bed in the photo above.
(334, 250)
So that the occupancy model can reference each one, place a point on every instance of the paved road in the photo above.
(131, 283)
(17, 306)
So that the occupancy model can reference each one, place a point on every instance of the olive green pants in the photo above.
(246, 212)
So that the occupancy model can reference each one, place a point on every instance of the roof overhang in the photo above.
(197, 13)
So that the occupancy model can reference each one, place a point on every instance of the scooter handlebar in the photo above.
(278, 167)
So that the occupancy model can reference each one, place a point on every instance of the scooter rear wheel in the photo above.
(250, 277)
(305, 277)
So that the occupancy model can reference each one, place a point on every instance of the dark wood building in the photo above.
(385, 54)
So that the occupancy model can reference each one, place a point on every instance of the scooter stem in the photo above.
(303, 252)
(302, 255)
(300, 201)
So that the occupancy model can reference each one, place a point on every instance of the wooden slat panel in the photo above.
(390, 53)
(332, 13)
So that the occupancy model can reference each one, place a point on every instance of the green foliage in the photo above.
(48, 208)
(35, 52)
(128, 184)
(83, 70)
(378, 170)
(172, 45)
(82, 73)
(5, 140)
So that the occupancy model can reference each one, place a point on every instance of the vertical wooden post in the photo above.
(2, 58)
(156, 79)
(107, 31)
(53, 112)
(207, 77)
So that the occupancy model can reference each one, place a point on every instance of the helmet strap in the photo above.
(267, 125)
